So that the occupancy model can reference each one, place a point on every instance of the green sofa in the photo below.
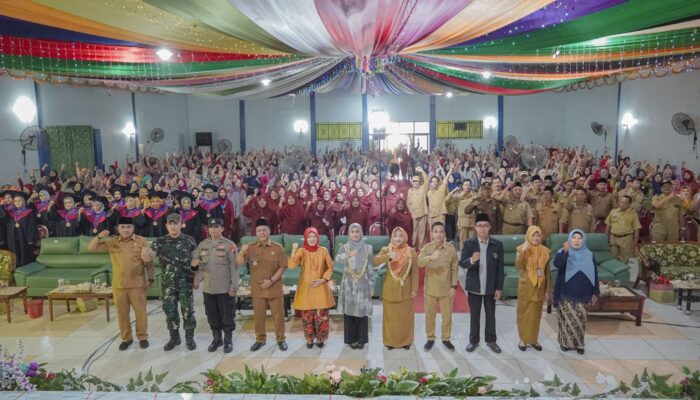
(69, 258)
(674, 260)
(609, 268)
(377, 242)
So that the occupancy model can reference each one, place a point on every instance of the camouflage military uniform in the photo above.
(175, 256)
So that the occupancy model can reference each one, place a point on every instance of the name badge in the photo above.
(539, 273)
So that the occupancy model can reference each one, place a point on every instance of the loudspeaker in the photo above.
(203, 139)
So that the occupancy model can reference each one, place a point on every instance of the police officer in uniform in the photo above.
(174, 251)
(215, 263)
(623, 229)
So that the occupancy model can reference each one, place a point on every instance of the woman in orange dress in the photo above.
(400, 287)
(313, 297)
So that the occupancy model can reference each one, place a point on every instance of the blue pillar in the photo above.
(500, 123)
(365, 124)
(241, 121)
(617, 120)
(43, 138)
(97, 148)
(136, 125)
(432, 136)
(312, 122)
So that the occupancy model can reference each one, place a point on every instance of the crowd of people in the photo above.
(198, 206)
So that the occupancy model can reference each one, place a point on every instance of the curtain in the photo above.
(71, 144)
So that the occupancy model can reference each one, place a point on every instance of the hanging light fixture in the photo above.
(164, 54)
(24, 109)
(266, 82)
(486, 74)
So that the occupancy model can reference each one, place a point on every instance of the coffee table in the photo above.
(10, 293)
(62, 294)
(688, 286)
(619, 299)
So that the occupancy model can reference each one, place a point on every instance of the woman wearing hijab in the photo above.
(576, 286)
(356, 288)
(292, 216)
(399, 217)
(313, 297)
(400, 287)
(321, 218)
(534, 285)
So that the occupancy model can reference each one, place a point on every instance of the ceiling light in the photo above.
(129, 129)
(448, 94)
(301, 125)
(164, 54)
(486, 74)
(628, 120)
(24, 109)
(490, 122)
(265, 82)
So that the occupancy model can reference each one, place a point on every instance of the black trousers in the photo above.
(450, 227)
(356, 329)
(475, 301)
(220, 310)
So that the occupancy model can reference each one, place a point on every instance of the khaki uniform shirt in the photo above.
(464, 220)
(436, 200)
(668, 215)
(532, 197)
(637, 198)
(516, 213)
(565, 200)
(491, 207)
(548, 217)
(218, 265)
(623, 223)
(128, 269)
(581, 217)
(602, 204)
(416, 202)
(440, 274)
(263, 261)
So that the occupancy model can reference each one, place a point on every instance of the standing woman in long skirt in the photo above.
(577, 286)
(356, 288)
(400, 287)
(534, 286)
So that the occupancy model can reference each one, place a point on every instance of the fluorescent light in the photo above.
(265, 82)
(24, 109)
(164, 54)
(599, 41)
(379, 119)
(301, 125)
(490, 122)
(129, 129)
(448, 94)
(628, 120)
(486, 74)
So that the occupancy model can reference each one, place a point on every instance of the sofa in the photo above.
(377, 243)
(609, 268)
(670, 259)
(69, 258)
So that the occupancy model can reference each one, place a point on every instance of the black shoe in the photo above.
(125, 345)
(228, 343)
(256, 346)
(428, 345)
(189, 340)
(563, 348)
(522, 347)
(407, 347)
(389, 348)
(494, 347)
(449, 345)
(537, 347)
(472, 347)
(320, 345)
(174, 340)
(360, 346)
(215, 344)
(580, 351)
(353, 346)
(143, 343)
(282, 345)
(309, 345)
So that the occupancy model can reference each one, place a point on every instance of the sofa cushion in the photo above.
(556, 241)
(289, 239)
(83, 242)
(614, 266)
(59, 245)
(605, 275)
(48, 278)
(510, 242)
(73, 261)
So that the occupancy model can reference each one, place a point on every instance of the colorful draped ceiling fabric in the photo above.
(269, 48)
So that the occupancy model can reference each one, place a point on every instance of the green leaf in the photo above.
(406, 386)
(149, 375)
(453, 373)
(575, 390)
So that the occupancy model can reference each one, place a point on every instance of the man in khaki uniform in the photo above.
(602, 201)
(129, 282)
(266, 263)
(566, 198)
(533, 192)
(517, 214)
(487, 205)
(437, 195)
(623, 229)
(581, 213)
(549, 216)
(633, 192)
(465, 221)
(439, 259)
(418, 207)
(668, 215)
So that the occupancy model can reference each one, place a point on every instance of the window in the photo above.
(330, 131)
(460, 130)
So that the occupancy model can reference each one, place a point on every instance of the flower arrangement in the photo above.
(661, 280)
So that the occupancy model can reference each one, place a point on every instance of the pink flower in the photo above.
(481, 390)
(423, 380)
(684, 381)
(382, 378)
(335, 377)
(209, 382)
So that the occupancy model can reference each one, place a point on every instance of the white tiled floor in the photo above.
(615, 347)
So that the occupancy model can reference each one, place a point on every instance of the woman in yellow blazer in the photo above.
(313, 297)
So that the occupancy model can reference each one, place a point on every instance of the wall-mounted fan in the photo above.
(684, 125)
(599, 130)
(29, 139)
(224, 146)
(157, 134)
(535, 156)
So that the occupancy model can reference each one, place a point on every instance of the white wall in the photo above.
(269, 123)
(469, 107)
(10, 128)
(165, 111)
(218, 116)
